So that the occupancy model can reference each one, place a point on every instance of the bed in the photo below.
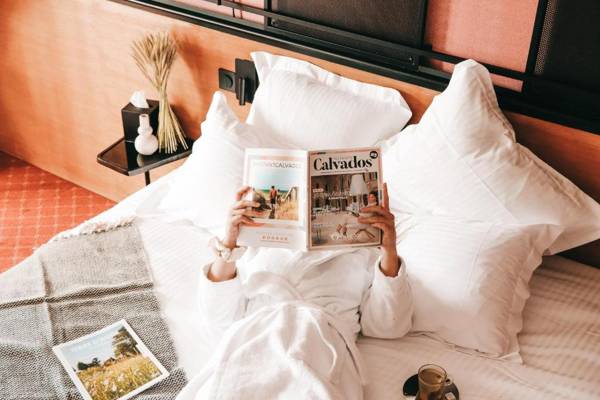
(560, 341)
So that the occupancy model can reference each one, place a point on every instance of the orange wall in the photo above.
(66, 71)
(490, 31)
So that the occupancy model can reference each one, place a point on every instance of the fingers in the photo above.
(386, 198)
(388, 229)
(375, 219)
(251, 222)
(244, 220)
(379, 210)
(384, 227)
(247, 212)
(242, 192)
(241, 204)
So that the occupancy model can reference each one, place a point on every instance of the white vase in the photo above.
(145, 143)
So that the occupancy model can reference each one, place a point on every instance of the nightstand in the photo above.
(122, 157)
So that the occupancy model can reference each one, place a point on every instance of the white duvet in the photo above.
(560, 342)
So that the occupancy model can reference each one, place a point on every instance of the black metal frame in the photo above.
(536, 36)
(406, 57)
(412, 73)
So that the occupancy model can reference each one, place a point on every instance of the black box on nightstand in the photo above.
(131, 119)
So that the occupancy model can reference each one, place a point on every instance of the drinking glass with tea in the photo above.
(433, 381)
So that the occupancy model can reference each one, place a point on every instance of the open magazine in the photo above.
(312, 199)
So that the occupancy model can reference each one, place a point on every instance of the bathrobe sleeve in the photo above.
(386, 308)
(221, 303)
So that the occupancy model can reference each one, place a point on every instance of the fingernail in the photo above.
(255, 204)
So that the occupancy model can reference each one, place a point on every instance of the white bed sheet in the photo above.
(560, 342)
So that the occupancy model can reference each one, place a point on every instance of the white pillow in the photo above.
(462, 160)
(312, 108)
(205, 185)
(469, 278)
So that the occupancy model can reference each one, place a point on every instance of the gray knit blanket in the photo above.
(69, 288)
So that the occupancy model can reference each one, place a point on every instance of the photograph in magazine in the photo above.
(276, 181)
(341, 183)
(110, 364)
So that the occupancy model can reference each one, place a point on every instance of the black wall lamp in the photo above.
(243, 82)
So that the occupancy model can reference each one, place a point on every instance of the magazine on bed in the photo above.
(111, 363)
(312, 199)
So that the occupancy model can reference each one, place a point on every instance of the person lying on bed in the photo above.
(289, 319)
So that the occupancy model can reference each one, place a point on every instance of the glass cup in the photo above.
(433, 379)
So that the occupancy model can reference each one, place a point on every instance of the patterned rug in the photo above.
(35, 205)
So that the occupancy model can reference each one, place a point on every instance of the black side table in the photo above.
(123, 158)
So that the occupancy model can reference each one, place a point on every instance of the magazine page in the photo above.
(278, 181)
(111, 363)
(341, 183)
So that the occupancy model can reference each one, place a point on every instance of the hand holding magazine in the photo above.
(312, 199)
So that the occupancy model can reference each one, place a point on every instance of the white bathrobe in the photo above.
(287, 324)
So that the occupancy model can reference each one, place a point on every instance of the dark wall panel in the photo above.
(569, 51)
(400, 22)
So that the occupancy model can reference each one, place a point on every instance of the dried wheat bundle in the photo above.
(154, 55)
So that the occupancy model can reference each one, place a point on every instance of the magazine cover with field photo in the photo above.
(110, 364)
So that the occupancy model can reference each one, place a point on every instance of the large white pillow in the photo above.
(462, 160)
(470, 278)
(313, 108)
(205, 185)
